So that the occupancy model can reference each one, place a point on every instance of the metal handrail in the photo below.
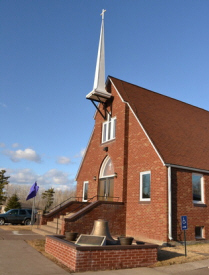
(64, 202)
(84, 202)
(71, 211)
(96, 196)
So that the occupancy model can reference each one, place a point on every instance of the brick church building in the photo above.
(149, 152)
(145, 166)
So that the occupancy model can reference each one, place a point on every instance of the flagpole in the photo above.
(32, 194)
(32, 214)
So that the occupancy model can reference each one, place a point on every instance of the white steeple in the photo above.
(99, 93)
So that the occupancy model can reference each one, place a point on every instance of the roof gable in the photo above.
(179, 131)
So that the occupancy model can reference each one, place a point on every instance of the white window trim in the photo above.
(111, 130)
(101, 174)
(84, 183)
(141, 185)
(202, 201)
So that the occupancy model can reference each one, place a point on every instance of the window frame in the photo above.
(109, 129)
(103, 167)
(22, 212)
(202, 200)
(141, 186)
(84, 184)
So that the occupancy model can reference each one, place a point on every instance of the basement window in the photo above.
(199, 232)
(108, 129)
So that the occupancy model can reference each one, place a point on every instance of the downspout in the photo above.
(169, 205)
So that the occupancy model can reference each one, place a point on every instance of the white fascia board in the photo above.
(139, 123)
(187, 168)
(103, 95)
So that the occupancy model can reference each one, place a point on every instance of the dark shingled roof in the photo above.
(179, 131)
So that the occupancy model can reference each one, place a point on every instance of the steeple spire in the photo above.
(99, 93)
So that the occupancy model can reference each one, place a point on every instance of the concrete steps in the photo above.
(55, 223)
(51, 228)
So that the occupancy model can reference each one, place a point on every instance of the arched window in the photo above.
(107, 169)
(106, 180)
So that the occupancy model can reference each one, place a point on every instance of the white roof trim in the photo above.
(187, 168)
(139, 123)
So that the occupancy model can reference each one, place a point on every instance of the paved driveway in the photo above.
(19, 235)
(19, 258)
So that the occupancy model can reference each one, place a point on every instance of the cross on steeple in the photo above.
(102, 14)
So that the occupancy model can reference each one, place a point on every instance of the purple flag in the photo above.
(33, 191)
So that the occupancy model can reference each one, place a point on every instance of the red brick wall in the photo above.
(182, 205)
(62, 252)
(81, 259)
(145, 219)
(95, 154)
(131, 153)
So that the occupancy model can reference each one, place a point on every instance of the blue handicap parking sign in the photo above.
(184, 224)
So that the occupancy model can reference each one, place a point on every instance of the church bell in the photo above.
(101, 228)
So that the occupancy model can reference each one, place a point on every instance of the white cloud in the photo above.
(2, 144)
(53, 178)
(27, 154)
(63, 160)
(15, 145)
(61, 187)
(81, 153)
(22, 176)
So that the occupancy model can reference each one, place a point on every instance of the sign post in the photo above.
(184, 226)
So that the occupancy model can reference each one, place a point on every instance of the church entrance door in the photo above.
(106, 187)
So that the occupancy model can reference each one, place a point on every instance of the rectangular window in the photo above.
(22, 212)
(145, 181)
(199, 232)
(85, 190)
(197, 188)
(108, 129)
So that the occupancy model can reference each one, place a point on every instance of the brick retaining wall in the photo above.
(86, 258)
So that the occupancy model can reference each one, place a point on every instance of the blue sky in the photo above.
(48, 55)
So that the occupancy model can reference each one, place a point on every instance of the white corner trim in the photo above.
(169, 205)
